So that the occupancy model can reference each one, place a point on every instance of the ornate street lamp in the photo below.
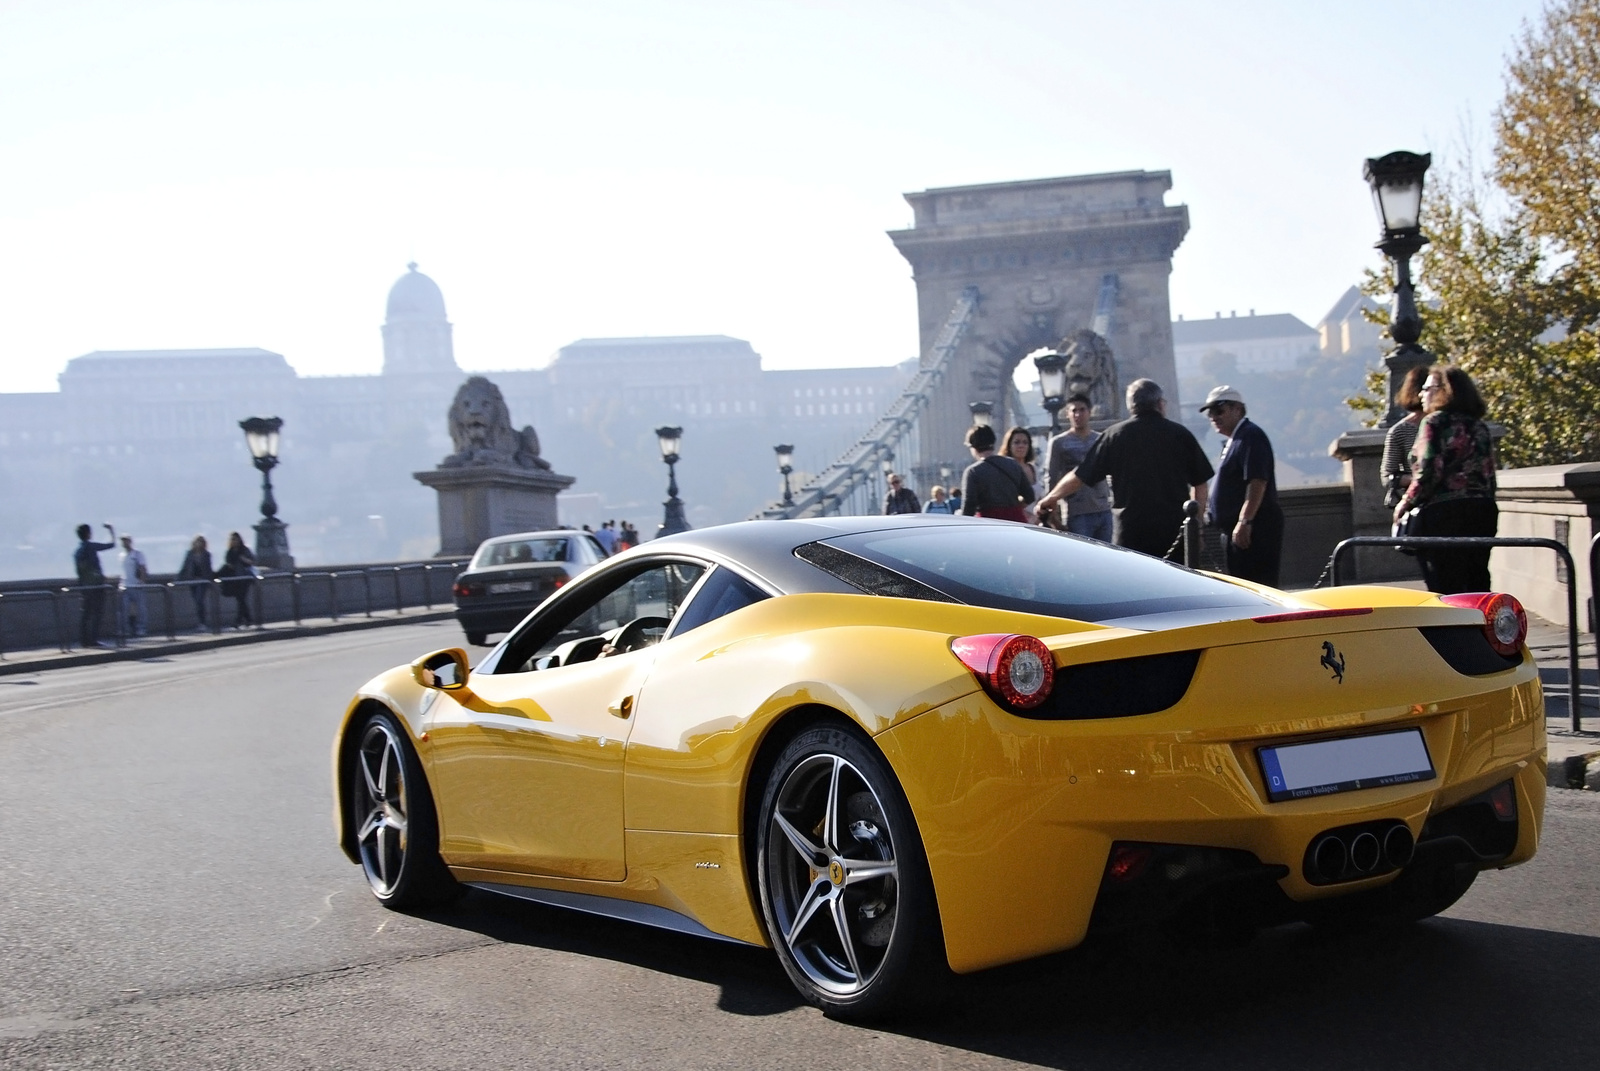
(272, 535)
(1396, 182)
(673, 521)
(982, 413)
(786, 466)
(1052, 368)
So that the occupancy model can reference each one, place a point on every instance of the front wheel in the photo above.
(844, 884)
(397, 831)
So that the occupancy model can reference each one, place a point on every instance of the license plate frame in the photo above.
(508, 587)
(1344, 764)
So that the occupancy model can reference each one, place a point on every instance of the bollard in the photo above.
(399, 607)
(1576, 770)
(1191, 534)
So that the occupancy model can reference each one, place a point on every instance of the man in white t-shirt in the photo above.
(135, 574)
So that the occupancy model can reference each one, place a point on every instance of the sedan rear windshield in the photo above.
(1036, 571)
(521, 552)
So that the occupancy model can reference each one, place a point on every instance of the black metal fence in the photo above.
(51, 615)
(1459, 542)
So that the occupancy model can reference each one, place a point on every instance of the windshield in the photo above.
(1020, 567)
(521, 552)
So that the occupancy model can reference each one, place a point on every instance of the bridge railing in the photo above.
(45, 616)
(849, 485)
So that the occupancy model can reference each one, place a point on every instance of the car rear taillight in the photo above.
(1017, 670)
(468, 590)
(560, 580)
(1505, 622)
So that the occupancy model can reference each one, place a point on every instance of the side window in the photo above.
(723, 592)
(637, 608)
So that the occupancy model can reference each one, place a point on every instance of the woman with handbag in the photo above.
(1452, 482)
(238, 575)
(993, 486)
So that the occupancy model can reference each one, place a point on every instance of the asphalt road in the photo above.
(171, 897)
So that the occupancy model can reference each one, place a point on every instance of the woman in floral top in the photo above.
(1452, 480)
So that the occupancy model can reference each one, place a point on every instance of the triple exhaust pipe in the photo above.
(1351, 853)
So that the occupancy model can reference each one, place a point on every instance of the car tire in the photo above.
(845, 891)
(477, 639)
(395, 827)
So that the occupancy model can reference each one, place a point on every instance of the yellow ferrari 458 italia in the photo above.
(890, 747)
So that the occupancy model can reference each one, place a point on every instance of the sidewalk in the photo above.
(1574, 758)
(39, 659)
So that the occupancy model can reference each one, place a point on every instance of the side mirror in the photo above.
(445, 670)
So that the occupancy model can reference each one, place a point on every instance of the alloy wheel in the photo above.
(832, 874)
(381, 807)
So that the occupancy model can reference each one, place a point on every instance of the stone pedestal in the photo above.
(1560, 502)
(1361, 451)
(481, 501)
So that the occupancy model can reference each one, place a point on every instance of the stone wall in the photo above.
(1560, 502)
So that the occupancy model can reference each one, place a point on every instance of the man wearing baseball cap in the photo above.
(1244, 497)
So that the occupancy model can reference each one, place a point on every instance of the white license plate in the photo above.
(510, 586)
(1324, 767)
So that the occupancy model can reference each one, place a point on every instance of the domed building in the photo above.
(416, 333)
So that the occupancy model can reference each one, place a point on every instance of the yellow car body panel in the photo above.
(645, 759)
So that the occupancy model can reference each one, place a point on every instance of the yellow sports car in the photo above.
(887, 747)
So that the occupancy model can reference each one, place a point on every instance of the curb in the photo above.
(1572, 771)
(210, 643)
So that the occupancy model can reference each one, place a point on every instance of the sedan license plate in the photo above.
(510, 586)
(1324, 767)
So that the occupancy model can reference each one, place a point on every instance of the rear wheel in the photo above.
(844, 884)
(477, 639)
(397, 832)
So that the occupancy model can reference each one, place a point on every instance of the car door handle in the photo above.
(623, 709)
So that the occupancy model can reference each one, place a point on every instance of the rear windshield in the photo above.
(1036, 571)
(521, 552)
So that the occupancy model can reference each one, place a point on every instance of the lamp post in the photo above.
(1396, 181)
(786, 465)
(272, 535)
(982, 414)
(1052, 368)
(673, 521)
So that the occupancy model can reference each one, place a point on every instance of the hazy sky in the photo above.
(227, 174)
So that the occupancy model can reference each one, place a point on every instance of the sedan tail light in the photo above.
(1017, 670)
(468, 590)
(1505, 622)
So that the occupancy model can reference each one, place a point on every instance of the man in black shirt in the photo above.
(1154, 464)
(86, 559)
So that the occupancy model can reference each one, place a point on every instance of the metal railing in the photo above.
(205, 612)
(1462, 542)
(847, 483)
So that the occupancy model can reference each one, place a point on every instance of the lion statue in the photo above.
(481, 431)
(1092, 371)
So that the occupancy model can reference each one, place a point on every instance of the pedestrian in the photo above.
(628, 538)
(899, 498)
(1154, 464)
(1244, 499)
(1452, 481)
(993, 486)
(1088, 509)
(197, 573)
(1019, 448)
(1402, 436)
(135, 574)
(238, 575)
(86, 559)
(955, 500)
(607, 537)
(938, 501)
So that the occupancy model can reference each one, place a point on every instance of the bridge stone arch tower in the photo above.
(1041, 253)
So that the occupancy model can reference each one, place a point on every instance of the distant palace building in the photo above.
(149, 439)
